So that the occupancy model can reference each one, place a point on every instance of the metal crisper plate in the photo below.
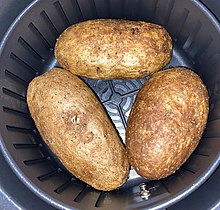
(27, 51)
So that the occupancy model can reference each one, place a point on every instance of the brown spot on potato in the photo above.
(144, 72)
(134, 30)
(71, 118)
(75, 119)
(88, 137)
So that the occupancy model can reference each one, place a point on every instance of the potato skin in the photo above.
(114, 49)
(75, 126)
(166, 122)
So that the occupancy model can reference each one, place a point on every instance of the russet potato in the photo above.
(77, 129)
(113, 49)
(166, 122)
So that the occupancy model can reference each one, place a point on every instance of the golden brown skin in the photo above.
(75, 126)
(166, 122)
(114, 49)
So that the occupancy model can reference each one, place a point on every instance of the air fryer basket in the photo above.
(27, 51)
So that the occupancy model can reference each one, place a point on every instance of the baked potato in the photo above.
(166, 122)
(77, 129)
(113, 49)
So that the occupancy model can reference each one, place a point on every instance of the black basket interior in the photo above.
(27, 51)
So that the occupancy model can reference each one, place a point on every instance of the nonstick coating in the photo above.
(27, 51)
